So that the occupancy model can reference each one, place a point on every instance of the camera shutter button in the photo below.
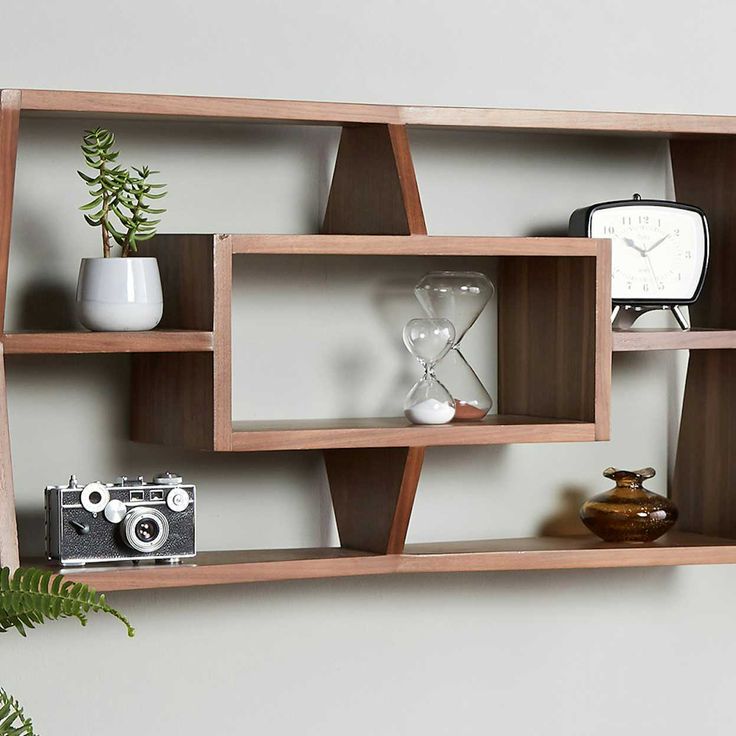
(115, 511)
(177, 499)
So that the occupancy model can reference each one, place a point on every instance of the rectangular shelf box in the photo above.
(554, 345)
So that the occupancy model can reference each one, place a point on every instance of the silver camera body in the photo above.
(129, 520)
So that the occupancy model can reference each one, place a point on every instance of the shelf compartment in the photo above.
(313, 434)
(535, 553)
(67, 343)
(674, 339)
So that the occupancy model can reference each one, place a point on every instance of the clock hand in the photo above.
(651, 268)
(657, 244)
(631, 244)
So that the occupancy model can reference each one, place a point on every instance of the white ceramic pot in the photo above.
(119, 294)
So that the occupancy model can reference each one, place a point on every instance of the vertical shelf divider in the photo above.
(705, 469)
(374, 192)
(186, 399)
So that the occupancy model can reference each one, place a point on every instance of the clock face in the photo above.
(659, 252)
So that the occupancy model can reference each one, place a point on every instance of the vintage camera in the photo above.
(126, 520)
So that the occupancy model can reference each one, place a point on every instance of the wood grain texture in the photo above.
(373, 494)
(222, 354)
(186, 264)
(703, 176)
(412, 245)
(675, 339)
(63, 343)
(10, 101)
(8, 527)
(536, 553)
(373, 192)
(183, 399)
(548, 333)
(250, 436)
(603, 341)
(103, 104)
(407, 179)
(705, 469)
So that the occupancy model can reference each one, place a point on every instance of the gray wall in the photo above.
(564, 652)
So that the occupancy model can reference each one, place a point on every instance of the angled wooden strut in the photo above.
(373, 495)
(9, 121)
(374, 187)
(704, 483)
(8, 527)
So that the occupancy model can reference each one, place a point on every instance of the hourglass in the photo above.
(429, 340)
(460, 297)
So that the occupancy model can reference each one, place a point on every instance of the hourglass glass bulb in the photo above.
(429, 340)
(459, 296)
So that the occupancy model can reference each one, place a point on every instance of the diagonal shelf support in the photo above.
(373, 493)
(9, 123)
(8, 526)
(374, 187)
(705, 471)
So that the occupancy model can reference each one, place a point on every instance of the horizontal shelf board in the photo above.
(315, 434)
(61, 343)
(675, 339)
(537, 553)
(413, 245)
(100, 104)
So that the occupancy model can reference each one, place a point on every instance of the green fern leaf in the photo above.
(13, 721)
(31, 597)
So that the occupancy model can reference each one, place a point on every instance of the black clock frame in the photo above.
(579, 226)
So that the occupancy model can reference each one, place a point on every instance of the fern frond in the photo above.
(13, 721)
(31, 597)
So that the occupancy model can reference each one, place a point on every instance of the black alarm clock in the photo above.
(659, 252)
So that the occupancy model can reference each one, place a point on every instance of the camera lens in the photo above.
(145, 529)
(95, 497)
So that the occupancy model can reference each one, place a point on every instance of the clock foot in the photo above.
(682, 320)
(623, 316)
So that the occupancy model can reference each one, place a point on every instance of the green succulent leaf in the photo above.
(119, 194)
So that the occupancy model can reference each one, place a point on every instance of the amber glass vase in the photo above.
(629, 512)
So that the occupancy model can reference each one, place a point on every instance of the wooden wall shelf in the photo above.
(140, 106)
(554, 342)
(535, 553)
(63, 343)
(252, 436)
(675, 339)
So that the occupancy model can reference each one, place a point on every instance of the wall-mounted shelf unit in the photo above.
(554, 343)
